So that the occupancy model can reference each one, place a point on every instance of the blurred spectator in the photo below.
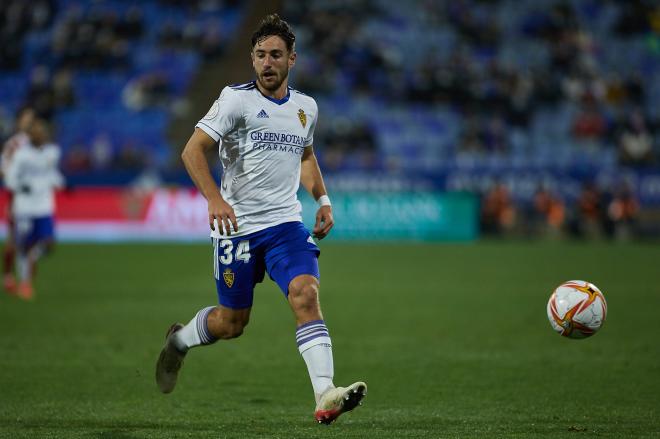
(471, 142)
(63, 92)
(495, 136)
(498, 214)
(347, 144)
(549, 213)
(590, 123)
(636, 141)
(40, 95)
(76, 159)
(590, 216)
(148, 90)
(212, 43)
(622, 212)
(48, 94)
(479, 138)
(101, 152)
(130, 157)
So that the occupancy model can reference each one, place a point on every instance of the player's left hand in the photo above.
(324, 222)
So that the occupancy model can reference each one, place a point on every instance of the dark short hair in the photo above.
(24, 109)
(273, 25)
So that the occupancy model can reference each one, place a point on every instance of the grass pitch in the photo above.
(452, 340)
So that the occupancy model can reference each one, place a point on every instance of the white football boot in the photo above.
(169, 362)
(338, 400)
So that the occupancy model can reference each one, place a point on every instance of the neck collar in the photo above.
(284, 100)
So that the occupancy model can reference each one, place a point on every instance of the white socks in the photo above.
(312, 338)
(195, 333)
(315, 347)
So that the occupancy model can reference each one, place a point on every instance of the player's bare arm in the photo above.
(312, 181)
(194, 158)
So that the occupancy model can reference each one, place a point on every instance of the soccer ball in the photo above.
(577, 309)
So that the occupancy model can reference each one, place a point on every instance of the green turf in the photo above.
(453, 341)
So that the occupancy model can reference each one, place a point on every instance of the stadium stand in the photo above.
(541, 95)
(470, 82)
(110, 74)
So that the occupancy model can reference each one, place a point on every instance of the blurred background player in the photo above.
(24, 119)
(33, 177)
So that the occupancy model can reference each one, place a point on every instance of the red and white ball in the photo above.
(577, 309)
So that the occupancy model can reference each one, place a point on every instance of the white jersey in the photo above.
(261, 142)
(33, 176)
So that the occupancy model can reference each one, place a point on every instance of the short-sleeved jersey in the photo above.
(261, 142)
(33, 176)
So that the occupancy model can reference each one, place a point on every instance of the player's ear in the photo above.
(292, 58)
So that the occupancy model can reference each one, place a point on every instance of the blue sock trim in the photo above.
(310, 331)
(202, 326)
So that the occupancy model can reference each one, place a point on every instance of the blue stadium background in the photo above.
(547, 111)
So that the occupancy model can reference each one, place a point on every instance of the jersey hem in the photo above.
(297, 218)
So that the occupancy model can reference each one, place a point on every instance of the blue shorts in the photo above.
(30, 231)
(285, 251)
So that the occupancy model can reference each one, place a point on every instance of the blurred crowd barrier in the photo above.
(457, 207)
(116, 214)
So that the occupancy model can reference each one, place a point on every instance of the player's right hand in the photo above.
(220, 210)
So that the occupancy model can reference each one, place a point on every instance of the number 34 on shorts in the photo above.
(227, 250)
(231, 257)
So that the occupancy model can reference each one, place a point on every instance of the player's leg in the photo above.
(39, 242)
(315, 347)
(209, 325)
(293, 264)
(26, 234)
(235, 280)
(9, 256)
(312, 336)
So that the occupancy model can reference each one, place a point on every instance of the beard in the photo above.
(274, 82)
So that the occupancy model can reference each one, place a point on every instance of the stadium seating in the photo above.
(101, 85)
(466, 39)
(438, 85)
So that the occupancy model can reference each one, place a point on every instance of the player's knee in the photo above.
(304, 294)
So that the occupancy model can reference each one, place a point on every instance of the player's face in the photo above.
(38, 133)
(25, 120)
(271, 61)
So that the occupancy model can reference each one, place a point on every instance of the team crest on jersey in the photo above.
(303, 117)
(213, 111)
(228, 276)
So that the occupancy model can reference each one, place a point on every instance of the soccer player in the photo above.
(265, 131)
(24, 119)
(33, 176)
